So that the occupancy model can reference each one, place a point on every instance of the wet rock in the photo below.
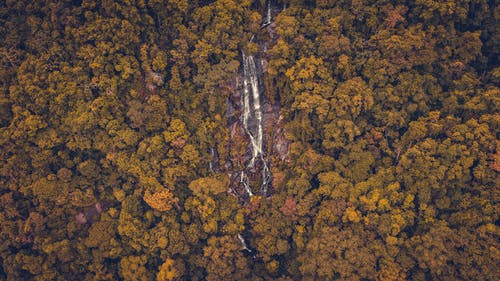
(256, 137)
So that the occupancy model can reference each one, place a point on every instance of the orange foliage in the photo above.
(289, 208)
(161, 201)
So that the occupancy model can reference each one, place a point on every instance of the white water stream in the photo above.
(243, 243)
(251, 87)
(268, 18)
(252, 122)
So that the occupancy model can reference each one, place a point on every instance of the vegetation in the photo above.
(109, 111)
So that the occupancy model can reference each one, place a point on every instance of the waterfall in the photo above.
(210, 164)
(246, 185)
(243, 243)
(268, 18)
(255, 167)
(251, 84)
(252, 122)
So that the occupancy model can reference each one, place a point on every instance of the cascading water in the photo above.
(267, 20)
(256, 137)
(252, 123)
(251, 85)
(211, 163)
(243, 243)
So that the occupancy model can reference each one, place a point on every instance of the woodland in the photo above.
(117, 160)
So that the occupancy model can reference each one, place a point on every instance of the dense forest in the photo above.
(123, 154)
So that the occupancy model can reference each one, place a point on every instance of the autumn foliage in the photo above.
(117, 161)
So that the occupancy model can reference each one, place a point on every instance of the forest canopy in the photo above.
(119, 150)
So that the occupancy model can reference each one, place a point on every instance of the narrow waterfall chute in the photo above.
(245, 183)
(210, 164)
(252, 119)
(256, 138)
(268, 17)
(253, 175)
(243, 243)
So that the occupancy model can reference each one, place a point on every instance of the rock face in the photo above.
(256, 137)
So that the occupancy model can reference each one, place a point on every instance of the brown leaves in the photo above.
(496, 158)
(394, 14)
(289, 208)
(178, 143)
(161, 201)
(64, 174)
